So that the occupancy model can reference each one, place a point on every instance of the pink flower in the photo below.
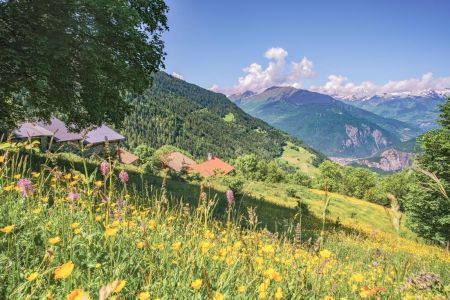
(104, 168)
(123, 176)
(73, 196)
(26, 187)
(230, 197)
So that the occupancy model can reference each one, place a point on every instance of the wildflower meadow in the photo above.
(71, 234)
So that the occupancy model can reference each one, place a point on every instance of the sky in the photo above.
(336, 47)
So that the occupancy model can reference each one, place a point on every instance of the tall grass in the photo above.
(80, 235)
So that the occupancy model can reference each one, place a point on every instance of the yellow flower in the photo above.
(259, 260)
(144, 296)
(354, 288)
(35, 174)
(32, 276)
(68, 176)
(54, 240)
(268, 249)
(204, 246)
(197, 284)
(279, 294)
(325, 253)
(358, 277)
(64, 271)
(160, 246)
(152, 224)
(36, 211)
(110, 231)
(176, 246)
(2, 159)
(77, 230)
(78, 294)
(328, 298)
(98, 183)
(7, 229)
(98, 218)
(140, 244)
(120, 286)
(17, 176)
(8, 188)
(242, 289)
(75, 225)
(218, 296)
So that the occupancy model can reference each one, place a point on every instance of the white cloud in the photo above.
(258, 78)
(176, 75)
(341, 87)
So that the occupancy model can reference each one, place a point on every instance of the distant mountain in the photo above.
(197, 120)
(325, 123)
(418, 109)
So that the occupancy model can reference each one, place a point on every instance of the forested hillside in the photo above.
(200, 121)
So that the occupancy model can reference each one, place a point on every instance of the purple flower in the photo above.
(26, 187)
(230, 197)
(104, 168)
(73, 196)
(123, 176)
(120, 204)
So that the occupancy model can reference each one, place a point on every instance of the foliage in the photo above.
(357, 181)
(330, 176)
(144, 152)
(427, 204)
(444, 117)
(77, 58)
(428, 212)
(174, 112)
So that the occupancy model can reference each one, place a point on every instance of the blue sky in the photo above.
(210, 42)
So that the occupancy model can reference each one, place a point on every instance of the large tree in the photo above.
(77, 58)
(428, 203)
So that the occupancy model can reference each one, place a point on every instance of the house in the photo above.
(33, 131)
(177, 161)
(212, 166)
(128, 158)
(62, 135)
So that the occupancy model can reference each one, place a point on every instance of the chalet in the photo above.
(211, 167)
(33, 131)
(128, 158)
(177, 161)
(63, 137)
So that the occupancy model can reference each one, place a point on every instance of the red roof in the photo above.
(212, 167)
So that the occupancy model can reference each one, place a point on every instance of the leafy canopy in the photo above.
(77, 58)
(428, 203)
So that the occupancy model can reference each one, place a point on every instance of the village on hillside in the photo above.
(106, 143)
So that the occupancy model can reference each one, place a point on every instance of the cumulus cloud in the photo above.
(341, 87)
(277, 72)
(176, 75)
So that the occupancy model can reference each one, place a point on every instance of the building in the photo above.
(128, 158)
(33, 131)
(62, 137)
(212, 166)
(177, 161)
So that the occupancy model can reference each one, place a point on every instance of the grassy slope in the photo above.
(300, 158)
(181, 247)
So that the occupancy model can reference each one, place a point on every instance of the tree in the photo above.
(77, 59)
(330, 176)
(427, 203)
(356, 182)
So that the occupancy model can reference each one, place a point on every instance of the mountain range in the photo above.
(327, 124)
(419, 109)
